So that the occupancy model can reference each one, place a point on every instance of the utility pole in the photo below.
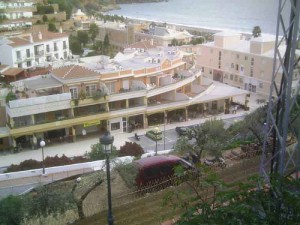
(283, 100)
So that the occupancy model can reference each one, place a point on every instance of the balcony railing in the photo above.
(39, 53)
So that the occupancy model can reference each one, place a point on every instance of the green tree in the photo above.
(82, 37)
(183, 146)
(82, 188)
(45, 18)
(209, 136)
(52, 27)
(10, 96)
(47, 200)
(94, 31)
(11, 210)
(98, 45)
(252, 125)
(256, 32)
(97, 152)
(106, 45)
(207, 199)
(64, 6)
(174, 42)
(75, 45)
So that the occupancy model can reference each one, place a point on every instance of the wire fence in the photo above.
(96, 205)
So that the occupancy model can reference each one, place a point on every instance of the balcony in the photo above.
(177, 83)
(11, 9)
(36, 105)
(39, 53)
(68, 122)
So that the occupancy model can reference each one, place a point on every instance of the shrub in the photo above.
(11, 210)
(97, 152)
(131, 149)
(49, 162)
(128, 172)
(10, 97)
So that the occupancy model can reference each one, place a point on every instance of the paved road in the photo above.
(171, 137)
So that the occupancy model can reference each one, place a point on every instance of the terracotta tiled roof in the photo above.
(36, 38)
(73, 72)
(12, 71)
(3, 66)
(143, 44)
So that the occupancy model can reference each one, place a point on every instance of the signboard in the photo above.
(91, 123)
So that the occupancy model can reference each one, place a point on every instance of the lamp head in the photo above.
(42, 143)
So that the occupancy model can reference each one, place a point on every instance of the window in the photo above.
(65, 55)
(115, 126)
(74, 92)
(237, 67)
(111, 87)
(219, 65)
(1, 141)
(220, 55)
(261, 85)
(28, 53)
(251, 72)
(19, 65)
(90, 90)
(64, 44)
(202, 69)
(232, 66)
(241, 80)
(18, 55)
(252, 61)
(210, 71)
(237, 56)
(47, 48)
(242, 69)
(231, 76)
(55, 46)
(236, 78)
(28, 63)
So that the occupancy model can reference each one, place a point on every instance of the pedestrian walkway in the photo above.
(83, 144)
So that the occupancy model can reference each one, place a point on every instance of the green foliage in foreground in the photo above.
(11, 211)
(97, 152)
(128, 172)
(217, 203)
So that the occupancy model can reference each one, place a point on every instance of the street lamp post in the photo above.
(156, 130)
(106, 141)
(165, 120)
(42, 144)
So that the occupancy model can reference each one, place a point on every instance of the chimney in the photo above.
(60, 29)
(30, 38)
(151, 41)
(40, 36)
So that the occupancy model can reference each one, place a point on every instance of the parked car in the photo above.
(217, 162)
(181, 130)
(158, 168)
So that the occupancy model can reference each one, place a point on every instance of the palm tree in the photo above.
(256, 32)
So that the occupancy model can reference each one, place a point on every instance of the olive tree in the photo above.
(209, 136)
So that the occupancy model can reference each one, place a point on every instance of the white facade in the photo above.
(17, 13)
(27, 52)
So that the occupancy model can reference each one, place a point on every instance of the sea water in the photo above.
(238, 15)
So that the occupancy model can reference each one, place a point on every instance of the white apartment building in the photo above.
(17, 13)
(34, 49)
(163, 35)
(245, 64)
